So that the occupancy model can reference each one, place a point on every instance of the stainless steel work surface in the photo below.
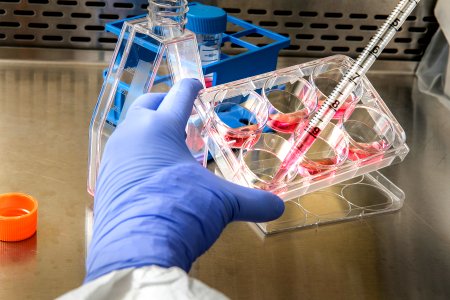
(44, 123)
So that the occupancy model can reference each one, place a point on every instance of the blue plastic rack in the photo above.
(255, 60)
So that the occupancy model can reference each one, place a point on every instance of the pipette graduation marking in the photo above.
(346, 85)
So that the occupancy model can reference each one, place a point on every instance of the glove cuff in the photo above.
(134, 250)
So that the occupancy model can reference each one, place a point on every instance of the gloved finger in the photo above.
(149, 101)
(180, 99)
(256, 205)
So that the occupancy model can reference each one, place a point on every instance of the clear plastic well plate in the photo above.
(359, 197)
(255, 157)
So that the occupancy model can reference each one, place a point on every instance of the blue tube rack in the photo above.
(256, 60)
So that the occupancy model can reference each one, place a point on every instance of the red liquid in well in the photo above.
(365, 150)
(240, 135)
(301, 146)
(318, 166)
(287, 123)
(347, 104)
(357, 154)
(320, 157)
(286, 127)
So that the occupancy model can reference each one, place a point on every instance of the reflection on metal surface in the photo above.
(45, 113)
(19, 253)
(406, 255)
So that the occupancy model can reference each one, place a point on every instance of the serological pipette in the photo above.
(345, 86)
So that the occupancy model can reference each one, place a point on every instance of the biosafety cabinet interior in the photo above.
(48, 94)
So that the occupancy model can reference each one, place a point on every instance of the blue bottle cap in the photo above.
(205, 19)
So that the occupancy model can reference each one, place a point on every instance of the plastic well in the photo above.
(233, 169)
(366, 195)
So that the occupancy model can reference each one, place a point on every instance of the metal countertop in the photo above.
(46, 109)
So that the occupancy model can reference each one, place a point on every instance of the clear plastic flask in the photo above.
(151, 54)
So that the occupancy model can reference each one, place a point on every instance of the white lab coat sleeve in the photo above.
(151, 282)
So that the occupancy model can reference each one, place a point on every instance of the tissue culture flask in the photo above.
(150, 56)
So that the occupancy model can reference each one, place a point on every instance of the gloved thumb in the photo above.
(256, 205)
(180, 99)
(149, 101)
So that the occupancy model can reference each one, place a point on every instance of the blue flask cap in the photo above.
(205, 19)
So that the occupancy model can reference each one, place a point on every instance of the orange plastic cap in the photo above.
(18, 216)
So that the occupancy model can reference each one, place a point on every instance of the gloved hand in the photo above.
(154, 203)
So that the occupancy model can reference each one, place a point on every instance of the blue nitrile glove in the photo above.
(154, 204)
